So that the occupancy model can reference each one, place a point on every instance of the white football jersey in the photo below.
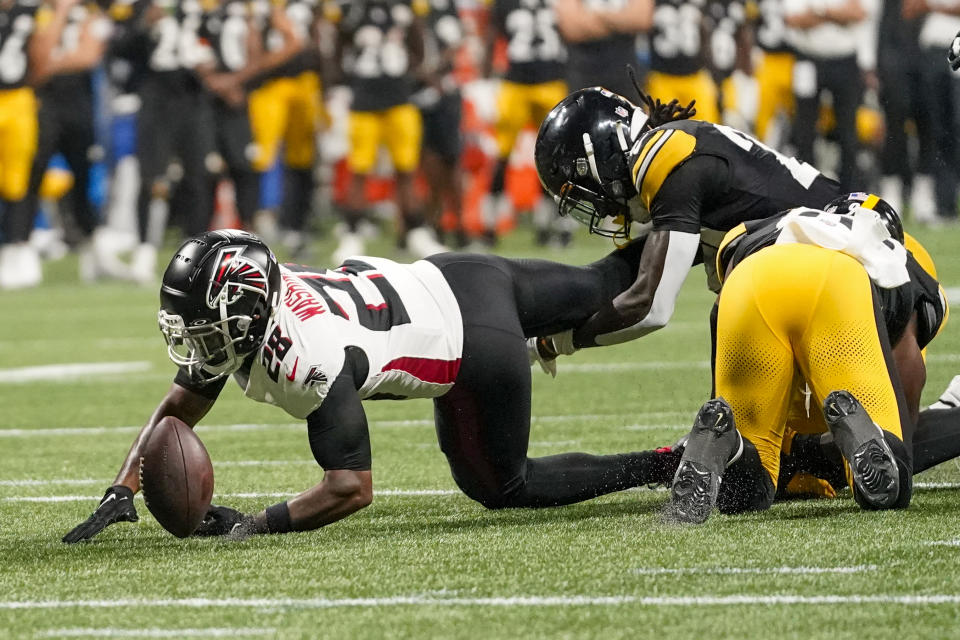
(404, 317)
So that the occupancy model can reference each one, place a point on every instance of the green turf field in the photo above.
(423, 560)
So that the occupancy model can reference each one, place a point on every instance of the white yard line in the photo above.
(943, 543)
(269, 494)
(70, 371)
(724, 571)
(493, 601)
(112, 632)
(953, 295)
(56, 481)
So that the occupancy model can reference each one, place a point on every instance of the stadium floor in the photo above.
(423, 560)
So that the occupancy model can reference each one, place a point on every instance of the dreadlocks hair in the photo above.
(658, 112)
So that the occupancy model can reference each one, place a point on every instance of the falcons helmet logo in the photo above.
(233, 274)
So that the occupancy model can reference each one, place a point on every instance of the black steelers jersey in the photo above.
(66, 87)
(676, 39)
(723, 21)
(602, 61)
(535, 51)
(921, 294)
(444, 32)
(174, 46)
(771, 30)
(301, 15)
(130, 44)
(17, 25)
(699, 177)
(226, 30)
(375, 53)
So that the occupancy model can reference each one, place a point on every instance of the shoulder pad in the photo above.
(659, 155)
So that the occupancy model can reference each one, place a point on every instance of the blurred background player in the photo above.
(940, 88)
(286, 108)
(774, 75)
(73, 42)
(175, 121)
(729, 60)
(836, 46)
(441, 108)
(19, 263)
(601, 39)
(531, 85)
(678, 63)
(380, 47)
(226, 30)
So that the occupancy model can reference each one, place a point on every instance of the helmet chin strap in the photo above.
(591, 158)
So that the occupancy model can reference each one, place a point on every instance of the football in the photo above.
(176, 476)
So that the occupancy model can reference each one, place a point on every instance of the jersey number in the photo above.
(379, 54)
(371, 314)
(677, 31)
(273, 352)
(533, 36)
(13, 55)
(801, 171)
(233, 43)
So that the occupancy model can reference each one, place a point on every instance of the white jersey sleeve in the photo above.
(404, 318)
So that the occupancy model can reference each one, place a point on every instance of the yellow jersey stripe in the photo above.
(672, 150)
(645, 152)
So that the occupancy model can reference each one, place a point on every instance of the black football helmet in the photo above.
(581, 157)
(217, 296)
(851, 202)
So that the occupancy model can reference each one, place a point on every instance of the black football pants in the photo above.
(483, 422)
(235, 144)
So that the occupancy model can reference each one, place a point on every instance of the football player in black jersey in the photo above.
(601, 39)
(678, 60)
(22, 56)
(66, 118)
(852, 319)
(532, 83)
(380, 53)
(685, 182)
(175, 122)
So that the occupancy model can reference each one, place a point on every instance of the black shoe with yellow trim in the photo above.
(872, 463)
(713, 443)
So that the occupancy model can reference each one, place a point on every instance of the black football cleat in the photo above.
(861, 441)
(712, 444)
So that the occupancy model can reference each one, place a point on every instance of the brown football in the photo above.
(176, 476)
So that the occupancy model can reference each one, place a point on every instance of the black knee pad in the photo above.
(746, 484)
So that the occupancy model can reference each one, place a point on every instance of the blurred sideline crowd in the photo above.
(121, 118)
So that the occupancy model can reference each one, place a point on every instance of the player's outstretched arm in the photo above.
(117, 502)
(340, 441)
(648, 303)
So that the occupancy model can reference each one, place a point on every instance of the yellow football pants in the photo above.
(18, 141)
(399, 129)
(774, 77)
(697, 86)
(791, 313)
(287, 110)
(520, 105)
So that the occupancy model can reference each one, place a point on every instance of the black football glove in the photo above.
(953, 55)
(224, 521)
(116, 506)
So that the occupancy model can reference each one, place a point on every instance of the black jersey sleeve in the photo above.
(210, 390)
(678, 204)
(337, 429)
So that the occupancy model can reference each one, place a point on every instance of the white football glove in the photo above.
(950, 398)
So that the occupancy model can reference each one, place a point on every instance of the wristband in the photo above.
(278, 518)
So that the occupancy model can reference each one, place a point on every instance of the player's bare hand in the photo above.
(116, 506)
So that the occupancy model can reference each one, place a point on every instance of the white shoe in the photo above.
(49, 243)
(950, 398)
(923, 204)
(891, 190)
(351, 244)
(143, 268)
(97, 258)
(19, 266)
(422, 242)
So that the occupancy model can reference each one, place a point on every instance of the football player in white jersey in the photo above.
(318, 342)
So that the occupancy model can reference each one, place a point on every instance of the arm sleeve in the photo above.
(337, 429)
(210, 391)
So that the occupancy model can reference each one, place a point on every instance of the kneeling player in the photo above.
(792, 310)
(318, 342)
